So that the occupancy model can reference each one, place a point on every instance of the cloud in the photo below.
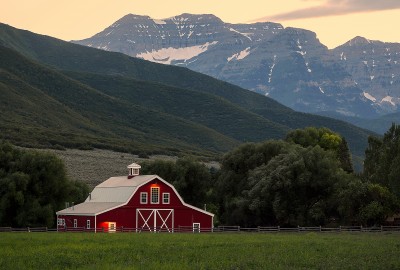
(336, 7)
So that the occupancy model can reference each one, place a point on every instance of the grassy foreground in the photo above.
(199, 251)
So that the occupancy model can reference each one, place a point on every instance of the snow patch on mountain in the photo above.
(159, 21)
(368, 96)
(240, 55)
(243, 34)
(167, 55)
(389, 100)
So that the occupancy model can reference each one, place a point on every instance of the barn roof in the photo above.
(88, 208)
(113, 193)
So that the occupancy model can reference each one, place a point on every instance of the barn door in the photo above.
(155, 220)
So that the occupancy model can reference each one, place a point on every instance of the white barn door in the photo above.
(154, 220)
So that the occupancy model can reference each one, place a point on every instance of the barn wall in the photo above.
(81, 221)
(187, 216)
(174, 200)
(123, 217)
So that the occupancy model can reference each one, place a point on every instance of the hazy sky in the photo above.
(334, 21)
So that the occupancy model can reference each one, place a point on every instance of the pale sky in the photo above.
(334, 21)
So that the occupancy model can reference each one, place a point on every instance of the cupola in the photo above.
(134, 170)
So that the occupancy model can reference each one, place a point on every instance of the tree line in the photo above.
(33, 186)
(307, 179)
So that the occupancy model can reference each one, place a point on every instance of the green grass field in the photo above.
(199, 251)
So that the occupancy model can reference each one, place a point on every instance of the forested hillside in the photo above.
(79, 97)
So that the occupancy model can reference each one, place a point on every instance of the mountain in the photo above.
(115, 101)
(375, 66)
(287, 64)
(379, 125)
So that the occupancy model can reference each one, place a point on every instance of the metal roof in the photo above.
(88, 208)
(113, 192)
(124, 181)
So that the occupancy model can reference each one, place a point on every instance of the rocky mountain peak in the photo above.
(132, 18)
(197, 18)
(358, 41)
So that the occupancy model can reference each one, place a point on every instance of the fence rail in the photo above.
(219, 229)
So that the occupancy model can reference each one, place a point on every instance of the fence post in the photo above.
(279, 228)
(361, 228)
(381, 228)
(122, 228)
(320, 228)
(340, 228)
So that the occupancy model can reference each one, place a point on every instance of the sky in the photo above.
(334, 21)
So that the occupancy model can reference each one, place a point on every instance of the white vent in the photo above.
(134, 169)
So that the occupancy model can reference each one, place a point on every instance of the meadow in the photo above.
(200, 251)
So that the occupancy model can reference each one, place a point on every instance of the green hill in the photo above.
(115, 101)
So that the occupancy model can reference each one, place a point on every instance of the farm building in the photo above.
(141, 202)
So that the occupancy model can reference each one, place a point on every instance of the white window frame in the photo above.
(165, 198)
(141, 197)
(198, 227)
(75, 223)
(88, 224)
(61, 222)
(158, 195)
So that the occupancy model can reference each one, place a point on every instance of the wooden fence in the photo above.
(219, 229)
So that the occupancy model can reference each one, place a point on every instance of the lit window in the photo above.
(143, 197)
(165, 198)
(155, 195)
(88, 224)
(75, 223)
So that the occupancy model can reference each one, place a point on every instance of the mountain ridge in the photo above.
(287, 64)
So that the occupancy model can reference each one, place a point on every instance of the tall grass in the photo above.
(199, 251)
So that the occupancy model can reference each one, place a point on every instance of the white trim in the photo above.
(155, 212)
(114, 228)
(196, 223)
(147, 196)
(169, 196)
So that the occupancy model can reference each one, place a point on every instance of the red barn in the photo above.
(142, 202)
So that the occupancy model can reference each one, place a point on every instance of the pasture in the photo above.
(200, 251)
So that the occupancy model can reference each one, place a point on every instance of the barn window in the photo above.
(165, 197)
(155, 195)
(196, 227)
(61, 222)
(88, 224)
(75, 223)
(143, 197)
